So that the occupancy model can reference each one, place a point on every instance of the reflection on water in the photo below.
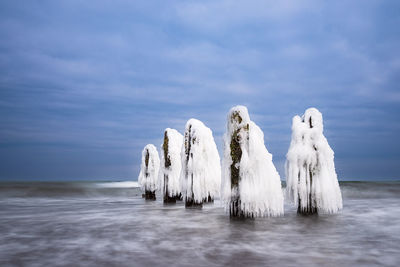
(80, 224)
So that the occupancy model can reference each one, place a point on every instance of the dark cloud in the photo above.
(84, 86)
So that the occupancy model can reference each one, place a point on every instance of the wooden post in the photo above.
(167, 164)
(208, 199)
(311, 207)
(189, 200)
(236, 155)
(149, 195)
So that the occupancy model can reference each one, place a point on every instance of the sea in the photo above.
(110, 224)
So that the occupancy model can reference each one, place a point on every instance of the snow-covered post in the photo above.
(251, 186)
(311, 179)
(240, 135)
(201, 170)
(149, 171)
(170, 167)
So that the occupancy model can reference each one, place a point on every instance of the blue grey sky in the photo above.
(85, 85)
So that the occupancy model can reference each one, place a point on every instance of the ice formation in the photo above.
(201, 170)
(251, 186)
(310, 171)
(148, 176)
(170, 168)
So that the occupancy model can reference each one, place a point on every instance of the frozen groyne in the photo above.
(201, 170)
(171, 165)
(311, 179)
(251, 185)
(148, 176)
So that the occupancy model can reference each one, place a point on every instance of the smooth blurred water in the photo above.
(108, 224)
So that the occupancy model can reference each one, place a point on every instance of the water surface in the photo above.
(109, 224)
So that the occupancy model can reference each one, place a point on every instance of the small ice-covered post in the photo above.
(149, 171)
(251, 186)
(170, 167)
(201, 170)
(311, 179)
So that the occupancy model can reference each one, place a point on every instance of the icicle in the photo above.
(251, 185)
(170, 168)
(201, 170)
(311, 179)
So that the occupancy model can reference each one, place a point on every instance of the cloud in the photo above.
(98, 82)
(222, 15)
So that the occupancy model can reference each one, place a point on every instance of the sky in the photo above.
(85, 85)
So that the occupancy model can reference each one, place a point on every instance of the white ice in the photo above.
(201, 170)
(260, 188)
(148, 176)
(175, 140)
(310, 168)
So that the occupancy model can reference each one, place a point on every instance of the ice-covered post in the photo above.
(311, 179)
(148, 176)
(201, 170)
(170, 168)
(251, 185)
(240, 135)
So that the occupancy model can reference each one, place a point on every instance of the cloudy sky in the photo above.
(85, 85)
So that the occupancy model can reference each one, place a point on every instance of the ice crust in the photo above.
(310, 170)
(201, 170)
(175, 141)
(148, 177)
(259, 189)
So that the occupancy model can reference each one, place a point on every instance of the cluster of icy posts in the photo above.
(248, 185)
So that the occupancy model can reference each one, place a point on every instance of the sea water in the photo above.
(110, 224)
